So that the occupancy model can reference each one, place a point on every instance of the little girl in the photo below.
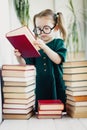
(49, 72)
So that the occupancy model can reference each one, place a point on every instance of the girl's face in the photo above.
(43, 24)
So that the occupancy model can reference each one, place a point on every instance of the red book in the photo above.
(50, 105)
(23, 40)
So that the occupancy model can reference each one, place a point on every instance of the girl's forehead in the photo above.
(44, 20)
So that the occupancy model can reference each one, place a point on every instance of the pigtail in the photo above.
(61, 25)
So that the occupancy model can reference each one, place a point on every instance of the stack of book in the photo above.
(18, 91)
(50, 109)
(75, 76)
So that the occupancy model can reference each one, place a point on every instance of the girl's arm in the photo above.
(19, 57)
(50, 53)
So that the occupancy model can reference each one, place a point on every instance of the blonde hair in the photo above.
(57, 18)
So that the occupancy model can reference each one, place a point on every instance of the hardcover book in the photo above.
(77, 88)
(50, 105)
(76, 93)
(19, 89)
(23, 39)
(18, 73)
(19, 79)
(76, 83)
(83, 103)
(17, 67)
(17, 111)
(18, 116)
(77, 114)
(49, 112)
(18, 95)
(75, 64)
(75, 77)
(76, 109)
(77, 98)
(75, 70)
(21, 83)
(19, 101)
(49, 116)
(19, 106)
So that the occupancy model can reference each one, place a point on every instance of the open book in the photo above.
(22, 39)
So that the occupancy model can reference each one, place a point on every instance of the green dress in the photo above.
(49, 80)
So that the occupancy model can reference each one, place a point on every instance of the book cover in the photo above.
(75, 77)
(19, 89)
(17, 67)
(19, 101)
(75, 63)
(76, 93)
(23, 40)
(50, 105)
(18, 116)
(77, 98)
(18, 73)
(76, 83)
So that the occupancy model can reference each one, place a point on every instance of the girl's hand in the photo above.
(17, 53)
(39, 43)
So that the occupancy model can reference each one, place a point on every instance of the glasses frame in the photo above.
(42, 30)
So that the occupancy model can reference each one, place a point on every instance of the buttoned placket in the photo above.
(44, 58)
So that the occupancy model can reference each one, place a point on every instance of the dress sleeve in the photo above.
(29, 61)
(60, 49)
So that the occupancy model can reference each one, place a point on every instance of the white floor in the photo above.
(65, 123)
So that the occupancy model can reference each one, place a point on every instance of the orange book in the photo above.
(23, 39)
(77, 98)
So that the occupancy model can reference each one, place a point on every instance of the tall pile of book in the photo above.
(75, 77)
(18, 91)
(48, 109)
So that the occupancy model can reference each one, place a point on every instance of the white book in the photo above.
(76, 93)
(20, 106)
(21, 101)
(17, 111)
(17, 79)
(76, 103)
(19, 89)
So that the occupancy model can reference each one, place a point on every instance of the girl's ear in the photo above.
(56, 27)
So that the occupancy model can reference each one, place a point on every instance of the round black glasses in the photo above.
(46, 29)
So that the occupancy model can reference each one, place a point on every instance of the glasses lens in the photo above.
(37, 31)
(47, 29)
